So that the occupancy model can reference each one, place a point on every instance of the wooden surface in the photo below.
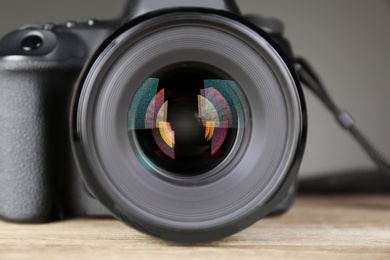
(354, 227)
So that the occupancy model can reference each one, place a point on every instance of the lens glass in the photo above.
(185, 119)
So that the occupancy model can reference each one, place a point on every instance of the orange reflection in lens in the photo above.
(167, 134)
(209, 132)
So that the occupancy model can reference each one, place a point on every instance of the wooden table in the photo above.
(343, 227)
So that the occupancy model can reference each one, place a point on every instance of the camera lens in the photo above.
(184, 119)
(188, 125)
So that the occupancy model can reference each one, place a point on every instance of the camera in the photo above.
(184, 120)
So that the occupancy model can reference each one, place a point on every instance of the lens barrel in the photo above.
(189, 124)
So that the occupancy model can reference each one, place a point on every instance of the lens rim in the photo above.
(83, 147)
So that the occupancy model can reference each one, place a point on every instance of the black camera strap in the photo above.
(310, 79)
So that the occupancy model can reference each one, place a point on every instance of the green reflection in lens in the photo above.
(141, 101)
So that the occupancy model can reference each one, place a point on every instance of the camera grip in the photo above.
(25, 194)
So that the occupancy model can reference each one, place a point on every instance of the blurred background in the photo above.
(348, 42)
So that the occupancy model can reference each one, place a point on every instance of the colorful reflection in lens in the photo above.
(217, 107)
(156, 119)
(215, 115)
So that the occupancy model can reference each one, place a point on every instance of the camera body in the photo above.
(41, 170)
(38, 173)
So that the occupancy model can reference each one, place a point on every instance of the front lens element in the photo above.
(185, 120)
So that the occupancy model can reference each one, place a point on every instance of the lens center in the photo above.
(189, 132)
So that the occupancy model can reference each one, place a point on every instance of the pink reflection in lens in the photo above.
(156, 119)
(153, 108)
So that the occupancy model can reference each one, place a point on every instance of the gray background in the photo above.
(347, 41)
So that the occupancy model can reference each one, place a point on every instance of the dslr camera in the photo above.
(183, 119)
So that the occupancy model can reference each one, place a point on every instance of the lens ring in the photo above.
(254, 183)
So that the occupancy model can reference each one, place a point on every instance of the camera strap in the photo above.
(311, 80)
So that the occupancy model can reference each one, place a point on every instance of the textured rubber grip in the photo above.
(25, 194)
